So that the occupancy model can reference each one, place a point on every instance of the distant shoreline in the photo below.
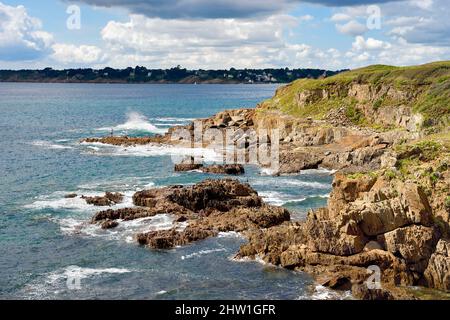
(178, 75)
(132, 83)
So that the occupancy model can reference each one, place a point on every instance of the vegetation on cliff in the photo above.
(365, 92)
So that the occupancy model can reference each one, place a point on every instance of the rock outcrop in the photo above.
(226, 169)
(370, 220)
(437, 274)
(208, 207)
(108, 199)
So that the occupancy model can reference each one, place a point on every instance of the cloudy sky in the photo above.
(331, 34)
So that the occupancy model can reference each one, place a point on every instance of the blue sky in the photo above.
(223, 33)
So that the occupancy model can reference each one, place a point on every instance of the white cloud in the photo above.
(84, 54)
(352, 27)
(207, 43)
(21, 36)
(339, 17)
(373, 51)
(370, 44)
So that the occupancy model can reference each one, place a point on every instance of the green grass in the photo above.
(430, 84)
(447, 203)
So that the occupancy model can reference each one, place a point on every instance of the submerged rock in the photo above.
(109, 224)
(107, 200)
(187, 167)
(230, 169)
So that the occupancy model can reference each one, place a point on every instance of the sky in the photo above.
(216, 34)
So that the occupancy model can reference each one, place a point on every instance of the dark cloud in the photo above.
(345, 3)
(168, 9)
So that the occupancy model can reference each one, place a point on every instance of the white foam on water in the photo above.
(279, 198)
(152, 150)
(202, 253)
(274, 197)
(267, 171)
(173, 119)
(126, 183)
(284, 181)
(318, 171)
(58, 281)
(323, 293)
(135, 122)
(125, 231)
(82, 273)
(230, 234)
(57, 200)
(49, 145)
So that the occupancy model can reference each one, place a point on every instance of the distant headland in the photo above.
(173, 75)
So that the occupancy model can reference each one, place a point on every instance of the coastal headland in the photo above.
(384, 132)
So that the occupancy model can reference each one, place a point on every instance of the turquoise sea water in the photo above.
(45, 239)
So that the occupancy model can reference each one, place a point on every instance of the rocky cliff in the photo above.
(385, 130)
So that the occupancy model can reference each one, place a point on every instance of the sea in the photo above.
(48, 248)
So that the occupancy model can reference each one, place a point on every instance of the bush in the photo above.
(447, 203)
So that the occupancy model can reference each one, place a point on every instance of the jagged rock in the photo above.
(209, 207)
(124, 214)
(109, 224)
(221, 195)
(166, 239)
(114, 197)
(327, 236)
(233, 169)
(413, 243)
(362, 292)
(102, 201)
(437, 274)
(126, 141)
(97, 201)
(187, 167)
(338, 282)
(293, 162)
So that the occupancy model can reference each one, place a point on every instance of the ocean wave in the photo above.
(49, 145)
(135, 122)
(230, 234)
(318, 171)
(57, 200)
(280, 199)
(284, 181)
(58, 282)
(172, 119)
(152, 150)
(202, 253)
(323, 293)
(125, 231)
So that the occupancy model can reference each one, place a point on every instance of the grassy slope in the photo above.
(432, 79)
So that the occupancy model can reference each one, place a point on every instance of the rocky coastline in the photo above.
(389, 208)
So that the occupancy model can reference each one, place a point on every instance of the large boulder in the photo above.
(437, 274)
(413, 243)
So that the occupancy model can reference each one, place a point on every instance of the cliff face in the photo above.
(376, 96)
